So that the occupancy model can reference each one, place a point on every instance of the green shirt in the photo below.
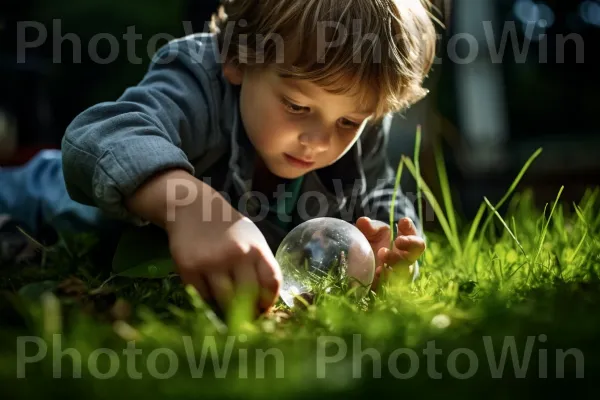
(280, 210)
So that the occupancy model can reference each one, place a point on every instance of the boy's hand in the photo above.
(223, 256)
(407, 248)
(215, 248)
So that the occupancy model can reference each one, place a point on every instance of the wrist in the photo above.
(159, 194)
(197, 204)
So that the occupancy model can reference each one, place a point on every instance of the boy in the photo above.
(279, 115)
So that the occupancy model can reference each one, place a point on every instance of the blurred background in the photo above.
(511, 76)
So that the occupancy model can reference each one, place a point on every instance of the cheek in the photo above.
(267, 126)
(254, 111)
(278, 133)
(348, 140)
(343, 144)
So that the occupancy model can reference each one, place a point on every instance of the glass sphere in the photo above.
(321, 248)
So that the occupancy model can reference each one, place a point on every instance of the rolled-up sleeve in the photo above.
(110, 149)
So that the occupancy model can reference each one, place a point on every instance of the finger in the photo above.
(373, 230)
(222, 289)
(365, 226)
(407, 227)
(202, 288)
(396, 262)
(392, 258)
(376, 278)
(269, 277)
(382, 254)
(410, 243)
(398, 256)
(246, 280)
(381, 273)
(196, 280)
(395, 257)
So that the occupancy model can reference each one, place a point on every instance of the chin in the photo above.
(287, 173)
(282, 169)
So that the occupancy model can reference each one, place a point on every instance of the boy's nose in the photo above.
(317, 141)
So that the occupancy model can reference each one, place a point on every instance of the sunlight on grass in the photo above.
(519, 274)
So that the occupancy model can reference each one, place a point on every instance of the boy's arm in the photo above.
(110, 149)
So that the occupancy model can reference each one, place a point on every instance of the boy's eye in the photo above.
(294, 108)
(347, 124)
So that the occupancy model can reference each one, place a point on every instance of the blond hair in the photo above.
(379, 50)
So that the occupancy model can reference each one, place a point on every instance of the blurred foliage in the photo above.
(75, 86)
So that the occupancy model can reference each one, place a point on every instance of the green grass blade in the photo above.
(204, 309)
(583, 221)
(590, 201)
(393, 204)
(418, 168)
(474, 226)
(516, 270)
(445, 188)
(580, 215)
(545, 230)
(512, 187)
(495, 212)
(578, 247)
(519, 177)
(560, 222)
(31, 239)
(541, 221)
(436, 208)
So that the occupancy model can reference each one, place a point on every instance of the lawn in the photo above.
(506, 306)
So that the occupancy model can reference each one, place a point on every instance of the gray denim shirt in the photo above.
(185, 114)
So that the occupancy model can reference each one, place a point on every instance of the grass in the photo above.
(510, 304)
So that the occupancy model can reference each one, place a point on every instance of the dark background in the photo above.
(489, 114)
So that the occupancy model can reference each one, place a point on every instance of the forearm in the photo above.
(165, 199)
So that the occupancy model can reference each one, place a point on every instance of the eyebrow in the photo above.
(294, 86)
(364, 112)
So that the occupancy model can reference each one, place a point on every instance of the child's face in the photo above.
(296, 126)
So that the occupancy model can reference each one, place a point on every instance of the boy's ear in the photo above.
(233, 72)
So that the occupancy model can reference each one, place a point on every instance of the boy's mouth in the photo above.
(299, 162)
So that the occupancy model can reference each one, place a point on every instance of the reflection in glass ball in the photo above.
(320, 248)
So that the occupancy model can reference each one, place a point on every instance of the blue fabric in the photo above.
(35, 194)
